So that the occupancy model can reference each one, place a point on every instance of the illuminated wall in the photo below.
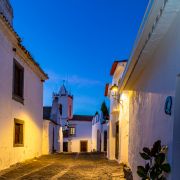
(148, 121)
(124, 128)
(83, 133)
(30, 112)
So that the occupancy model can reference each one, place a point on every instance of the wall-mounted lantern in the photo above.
(66, 127)
(115, 94)
(114, 90)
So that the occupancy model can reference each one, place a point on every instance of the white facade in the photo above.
(83, 130)
(29, 111)
(99, 134)
(152, 75)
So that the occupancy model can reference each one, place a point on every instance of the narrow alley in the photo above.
(66, 166)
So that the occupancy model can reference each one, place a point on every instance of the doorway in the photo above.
(98, 141)
(53, 145)
(105, 141)
(117, 141)
(83, 146)
(65, 146)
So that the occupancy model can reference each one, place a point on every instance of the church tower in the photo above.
(62, 106)
(65, 103)
(6, 10)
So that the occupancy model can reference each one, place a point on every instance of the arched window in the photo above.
(60, 109)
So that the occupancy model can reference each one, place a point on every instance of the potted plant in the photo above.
(156, 166)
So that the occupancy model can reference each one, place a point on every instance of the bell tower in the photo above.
(65, 104)
(6, 10)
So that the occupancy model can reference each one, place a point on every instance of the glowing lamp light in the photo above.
(114, 88)
(114, 91)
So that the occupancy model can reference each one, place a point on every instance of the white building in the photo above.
(72, 133)
(145, 112)
(99, 133)
(77, 138)
(52, 132)
(114, 133)
(21, 96)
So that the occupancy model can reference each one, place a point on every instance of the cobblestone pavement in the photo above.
(66, 167)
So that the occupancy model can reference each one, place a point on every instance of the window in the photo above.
(18, 82)
(72, 131)
(60, 109)
(18, 133)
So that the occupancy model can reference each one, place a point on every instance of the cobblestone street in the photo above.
(65, 167)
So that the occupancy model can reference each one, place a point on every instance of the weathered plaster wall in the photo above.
(148, 122)
(31, 112)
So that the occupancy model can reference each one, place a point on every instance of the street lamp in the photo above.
(114, 93)
(66, 125)
(114, 90)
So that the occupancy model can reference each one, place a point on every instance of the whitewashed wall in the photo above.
(96, 126)
(148, 121)
(31, 112)
(104, 128)
(46, 140)
(66, 102)
(48, 143)
(83, 133)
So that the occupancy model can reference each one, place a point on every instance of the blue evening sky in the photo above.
(78, 40)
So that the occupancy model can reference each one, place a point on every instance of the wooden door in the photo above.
(83, 146)
(117, 141)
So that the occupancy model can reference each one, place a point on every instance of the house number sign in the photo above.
(168, 105)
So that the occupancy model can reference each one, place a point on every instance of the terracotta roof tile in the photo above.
(114, 66)
(106, 90)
